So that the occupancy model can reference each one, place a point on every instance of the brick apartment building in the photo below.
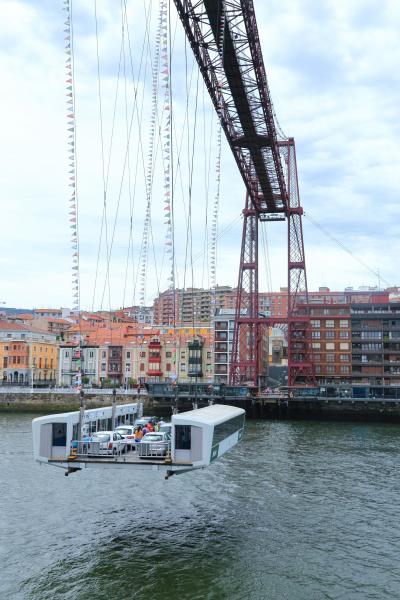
(331, 343)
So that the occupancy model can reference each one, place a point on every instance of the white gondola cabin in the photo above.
(53, 435)
(203, 435)
(198, 437)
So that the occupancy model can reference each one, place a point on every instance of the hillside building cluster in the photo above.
(187, 336)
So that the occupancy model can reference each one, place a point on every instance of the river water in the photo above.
(299, 510)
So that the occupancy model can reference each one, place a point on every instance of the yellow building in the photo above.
(43, 361)
(27, 355)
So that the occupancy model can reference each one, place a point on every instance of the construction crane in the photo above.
(223, 35)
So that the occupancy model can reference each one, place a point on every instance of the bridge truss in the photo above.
(223, 35)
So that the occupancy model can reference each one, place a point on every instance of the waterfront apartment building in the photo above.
(169, 357)
(28, 362)
(331, 343)
(376, 344)
(224, 326)
(275, 304)
(356, 343)
(72, 359)
(27, 356)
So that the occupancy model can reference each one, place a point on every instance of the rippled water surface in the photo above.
(299, 510)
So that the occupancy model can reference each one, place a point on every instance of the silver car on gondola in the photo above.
(154, 445)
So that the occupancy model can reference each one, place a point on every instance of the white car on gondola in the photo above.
(128, 433)
(106, 442)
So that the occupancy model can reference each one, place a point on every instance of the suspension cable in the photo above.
(346, 249)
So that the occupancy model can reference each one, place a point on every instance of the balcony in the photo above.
(154, 373)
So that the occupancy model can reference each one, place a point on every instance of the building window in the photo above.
(330, 346)
(317, 357)
(345, 369)
(316, 334)
(91, 354)
(315, 323)
(365, 335)
(344, 345)
(344, 357)
(316, 345)
(330, 368)
(329, 335)
(103, 366)
(344, 323)
(142, 366)
(168, 355)
(183, 367)
(330, 357)
(142, 354)
(330, 323)
(103, 354)
(168, 367)
(128, 355)
(344, 335)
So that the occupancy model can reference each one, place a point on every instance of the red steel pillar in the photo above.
(300, 366)
(245, 357)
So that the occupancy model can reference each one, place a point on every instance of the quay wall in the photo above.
(258, 408)
(57, 402)
(336, 409)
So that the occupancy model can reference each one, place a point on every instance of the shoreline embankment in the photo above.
(324, 409)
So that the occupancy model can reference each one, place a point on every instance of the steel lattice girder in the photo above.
(223, 35)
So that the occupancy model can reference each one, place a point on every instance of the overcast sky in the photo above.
(333, 72)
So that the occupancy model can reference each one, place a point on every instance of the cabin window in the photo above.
(183, 439)
(59, 434)
(224, 430)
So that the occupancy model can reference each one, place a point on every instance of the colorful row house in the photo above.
(145, 358)
(78, 365)
(27, 357)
